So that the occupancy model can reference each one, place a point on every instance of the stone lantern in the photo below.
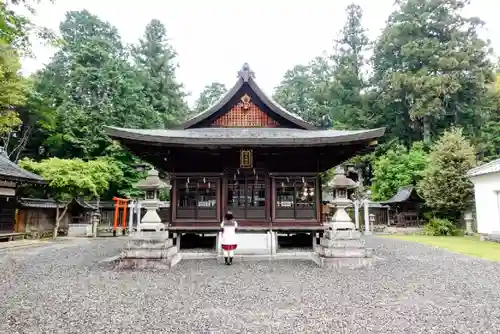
(150, 246)
(341, 245)
(340, 185)
(151, 185)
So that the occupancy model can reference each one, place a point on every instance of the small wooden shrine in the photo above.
(249, 155)
(405, 207)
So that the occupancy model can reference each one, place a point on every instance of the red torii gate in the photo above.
(120, 203)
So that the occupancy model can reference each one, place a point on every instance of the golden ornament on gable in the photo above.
(245, 102)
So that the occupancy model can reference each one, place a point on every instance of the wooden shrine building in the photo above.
(11, 178)
(249, 155)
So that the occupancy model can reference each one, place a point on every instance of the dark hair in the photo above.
(228, 216)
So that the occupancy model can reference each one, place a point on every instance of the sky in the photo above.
(214, 38)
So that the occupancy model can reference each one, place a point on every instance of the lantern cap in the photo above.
(340, 181)
(152, 181)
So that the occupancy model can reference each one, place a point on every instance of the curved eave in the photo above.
(17, 179)
(9, 171)
(243, 138)
(224, 100)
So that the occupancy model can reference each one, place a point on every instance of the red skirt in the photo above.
(229, 247)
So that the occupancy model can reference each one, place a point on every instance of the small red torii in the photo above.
(120, 203)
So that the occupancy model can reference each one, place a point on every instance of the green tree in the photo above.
(209, 95)
(430, 68)
(398, 167)
(13, 87)
(304, 90)
(348, 83)
(487, 140)
(70, 178)
(16, 30)
(444, 185)
(89, 83)
(155, 59)
(13, 93)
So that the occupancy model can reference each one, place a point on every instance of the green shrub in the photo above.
(458, 232)
(440, 227)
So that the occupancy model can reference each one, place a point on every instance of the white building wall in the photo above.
(487, 197)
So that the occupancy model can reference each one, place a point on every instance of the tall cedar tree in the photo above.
(430, 68)
(155, 59)
(348, 83)
(88, 84)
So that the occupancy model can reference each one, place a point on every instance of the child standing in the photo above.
(229, 242)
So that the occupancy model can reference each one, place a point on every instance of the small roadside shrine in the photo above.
(405, 207)
(486, 180)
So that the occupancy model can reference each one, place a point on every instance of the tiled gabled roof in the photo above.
(247, 76)
(9, 171)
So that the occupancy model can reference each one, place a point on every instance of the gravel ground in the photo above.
(64, 288)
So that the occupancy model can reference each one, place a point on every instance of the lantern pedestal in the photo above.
(343, 249)
(149, 250)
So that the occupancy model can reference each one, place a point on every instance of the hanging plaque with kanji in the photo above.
(246, 159)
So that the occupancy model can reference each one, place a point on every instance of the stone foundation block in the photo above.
(160, 264)
(344, 252)
(339, 243)
(340, 234)
(344, 263)
(153, 237)
(145, 243)
(149, 253)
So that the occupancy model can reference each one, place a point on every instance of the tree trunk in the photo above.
(426, 122)
(59, 217)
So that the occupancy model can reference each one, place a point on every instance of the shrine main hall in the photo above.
(247, 154)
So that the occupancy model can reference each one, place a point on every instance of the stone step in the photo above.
(342, 243)
(347, 252)
(149, 253)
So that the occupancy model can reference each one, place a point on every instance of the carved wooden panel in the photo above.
(245, 114)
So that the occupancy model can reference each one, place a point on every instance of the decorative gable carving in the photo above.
(245, 114)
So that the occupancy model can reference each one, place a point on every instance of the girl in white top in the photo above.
(229, 240)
